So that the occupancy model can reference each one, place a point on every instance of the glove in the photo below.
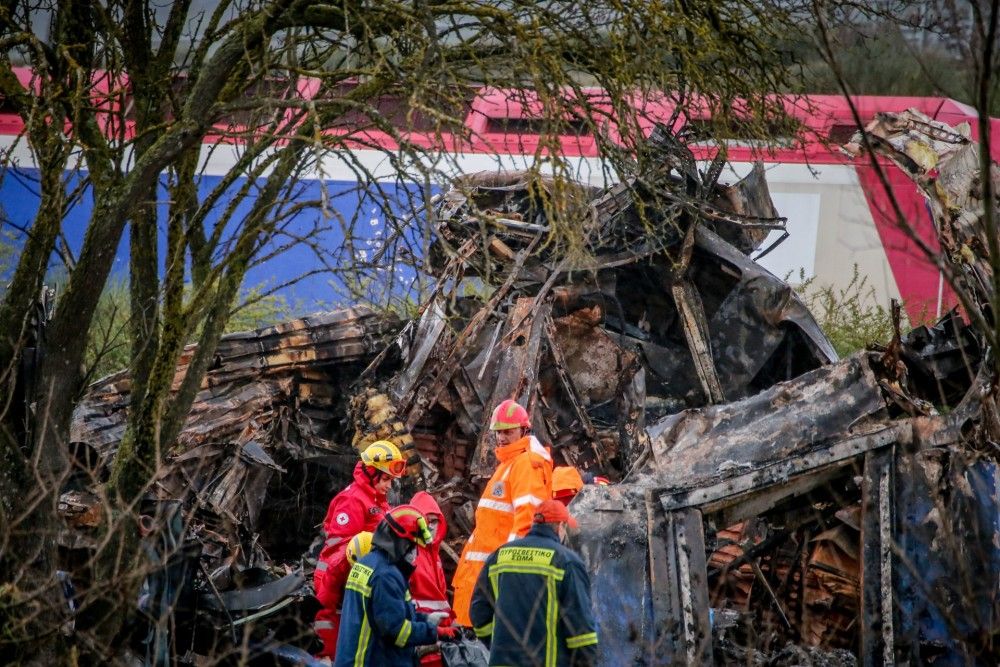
(447, 632)
(438, 617)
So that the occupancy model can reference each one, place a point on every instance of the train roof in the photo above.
(509, 121)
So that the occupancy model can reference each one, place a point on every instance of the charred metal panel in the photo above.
(948, 541)
(749, 319)
(613, 542)
(878, 602)
(713, 446)
(688, 577)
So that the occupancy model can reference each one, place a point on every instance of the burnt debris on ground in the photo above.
(771, 501)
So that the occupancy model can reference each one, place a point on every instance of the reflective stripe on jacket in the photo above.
(378, 625)
(522, 480)
(532, 603)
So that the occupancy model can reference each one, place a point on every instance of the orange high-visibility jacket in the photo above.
(523, 479)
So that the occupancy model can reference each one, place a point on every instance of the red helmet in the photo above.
(407, 522)
(509, 415)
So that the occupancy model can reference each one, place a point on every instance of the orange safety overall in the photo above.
(522, 480)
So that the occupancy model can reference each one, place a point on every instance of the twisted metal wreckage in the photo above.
(812, 504)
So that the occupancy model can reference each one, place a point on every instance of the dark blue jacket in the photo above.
(379, 625)
(532, 603)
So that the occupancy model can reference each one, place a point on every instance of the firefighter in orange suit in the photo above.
(567, 482)
(521, 482)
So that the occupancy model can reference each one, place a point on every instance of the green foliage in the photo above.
(258, 310)
(108, 341)
(8, 256)
(850, 316)
(906, 66)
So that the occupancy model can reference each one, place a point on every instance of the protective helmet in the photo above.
(359, 546)
(407, 522)
(384, 456)
(509, 415)
(589, 478)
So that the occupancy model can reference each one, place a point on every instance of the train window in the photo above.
(742, 132)
(576, 127)
(841, 133)
(398, 112)
(262, 88)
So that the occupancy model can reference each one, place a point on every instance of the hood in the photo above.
(425, 502)
(361, 479)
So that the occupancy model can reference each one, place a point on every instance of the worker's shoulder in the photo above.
(389, 569)
(571, 558)
(348, 494)
(536, 542)
(533, 458)
(532, 547)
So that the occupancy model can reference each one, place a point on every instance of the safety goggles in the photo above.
(396, 468)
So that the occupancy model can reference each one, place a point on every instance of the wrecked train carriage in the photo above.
(266, 439)
(840, 508)
(790, 461)
(652, 316)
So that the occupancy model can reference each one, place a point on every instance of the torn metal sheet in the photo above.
(706, 452)
(249, 599)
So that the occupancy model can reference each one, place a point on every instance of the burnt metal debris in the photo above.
(772, 504)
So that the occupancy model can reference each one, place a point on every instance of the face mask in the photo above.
(411, 556)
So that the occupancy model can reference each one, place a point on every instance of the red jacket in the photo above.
(330, 576)
(427, 583)
(358, 507)
(329, 579)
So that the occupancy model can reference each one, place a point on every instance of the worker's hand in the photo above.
(447, 632)
(438, 617)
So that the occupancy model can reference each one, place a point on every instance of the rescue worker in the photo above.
(567, 482)
(532, 600)
(521, 482)
(358, 508)
(428, 585)
(361, 505)
(379, 625)
(328, 581)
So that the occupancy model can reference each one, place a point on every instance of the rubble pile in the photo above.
(803, 499)
(269, 406)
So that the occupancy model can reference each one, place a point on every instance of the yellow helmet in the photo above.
(359, 546)
(385, 456)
